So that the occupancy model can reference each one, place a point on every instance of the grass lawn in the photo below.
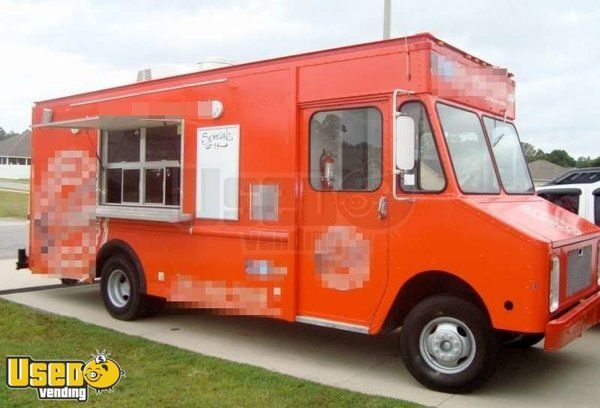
(13, 205)
(157, 374)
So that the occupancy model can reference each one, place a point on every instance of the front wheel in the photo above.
(448, 344)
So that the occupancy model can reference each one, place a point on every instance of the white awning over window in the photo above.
(107, 122)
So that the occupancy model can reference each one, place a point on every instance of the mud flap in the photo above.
(22, 259)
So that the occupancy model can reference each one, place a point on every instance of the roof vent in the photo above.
(144, 75)
(163, 71)
(214, 63)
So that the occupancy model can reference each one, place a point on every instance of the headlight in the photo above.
(554, 283)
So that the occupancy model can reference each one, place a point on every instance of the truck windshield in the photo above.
(506, 148)
(468, 149)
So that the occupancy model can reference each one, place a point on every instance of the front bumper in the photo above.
(566, 328)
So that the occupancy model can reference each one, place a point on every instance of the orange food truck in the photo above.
(362, 188)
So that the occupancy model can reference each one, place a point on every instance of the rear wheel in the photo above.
(120, 285)
(448, 344)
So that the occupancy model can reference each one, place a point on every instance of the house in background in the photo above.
(543, 171)
(15, 156)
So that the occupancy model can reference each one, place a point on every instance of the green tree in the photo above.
(528, 151)
(5, 135)
(561, 157)
(584, 161)
(540, 155)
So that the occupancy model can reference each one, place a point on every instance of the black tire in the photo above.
(525, 341)
(134, 304)
(68, 281)
(472, 328)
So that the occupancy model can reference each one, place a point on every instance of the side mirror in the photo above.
(404, 146)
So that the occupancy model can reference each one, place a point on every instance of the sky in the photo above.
(60, 47)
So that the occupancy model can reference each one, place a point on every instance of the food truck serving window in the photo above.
(141, 166)
(345, 150)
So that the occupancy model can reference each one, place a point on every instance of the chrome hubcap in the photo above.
(119, 289)
(447, 345)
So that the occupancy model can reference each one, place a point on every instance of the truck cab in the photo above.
(476, 202)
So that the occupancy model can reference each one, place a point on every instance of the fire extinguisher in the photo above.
(327, 162)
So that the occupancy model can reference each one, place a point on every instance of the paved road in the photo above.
(11, 279)
(526, 378)
(13, 185)
(13, 235)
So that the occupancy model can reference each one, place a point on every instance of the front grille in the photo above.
(579, 270)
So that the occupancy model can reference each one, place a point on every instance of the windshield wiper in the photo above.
(498, 140)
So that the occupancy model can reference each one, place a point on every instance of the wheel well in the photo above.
(424, 285)
(118, 247)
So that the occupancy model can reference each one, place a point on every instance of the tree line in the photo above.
(5, 135)
(558, 156)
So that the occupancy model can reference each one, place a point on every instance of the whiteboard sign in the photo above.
(217, 177)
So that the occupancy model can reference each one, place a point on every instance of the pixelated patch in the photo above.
(226, 297)
(455, 79)
(342, 258)
(264, 269)
(64, 216)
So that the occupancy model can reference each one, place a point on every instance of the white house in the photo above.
(15, 156)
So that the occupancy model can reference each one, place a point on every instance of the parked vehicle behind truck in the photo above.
(577, 191)
(362, 188)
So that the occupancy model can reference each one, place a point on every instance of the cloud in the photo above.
(36, 73)
(59, 47)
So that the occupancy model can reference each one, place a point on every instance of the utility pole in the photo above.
(387, 19)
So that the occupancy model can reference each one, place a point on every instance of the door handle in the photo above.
(382, 208)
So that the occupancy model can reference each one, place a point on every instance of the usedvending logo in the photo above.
(64, 379)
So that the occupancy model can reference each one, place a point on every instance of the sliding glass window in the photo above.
(141, 167)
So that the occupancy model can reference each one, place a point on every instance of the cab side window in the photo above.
(427, 176)
(346, 150)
